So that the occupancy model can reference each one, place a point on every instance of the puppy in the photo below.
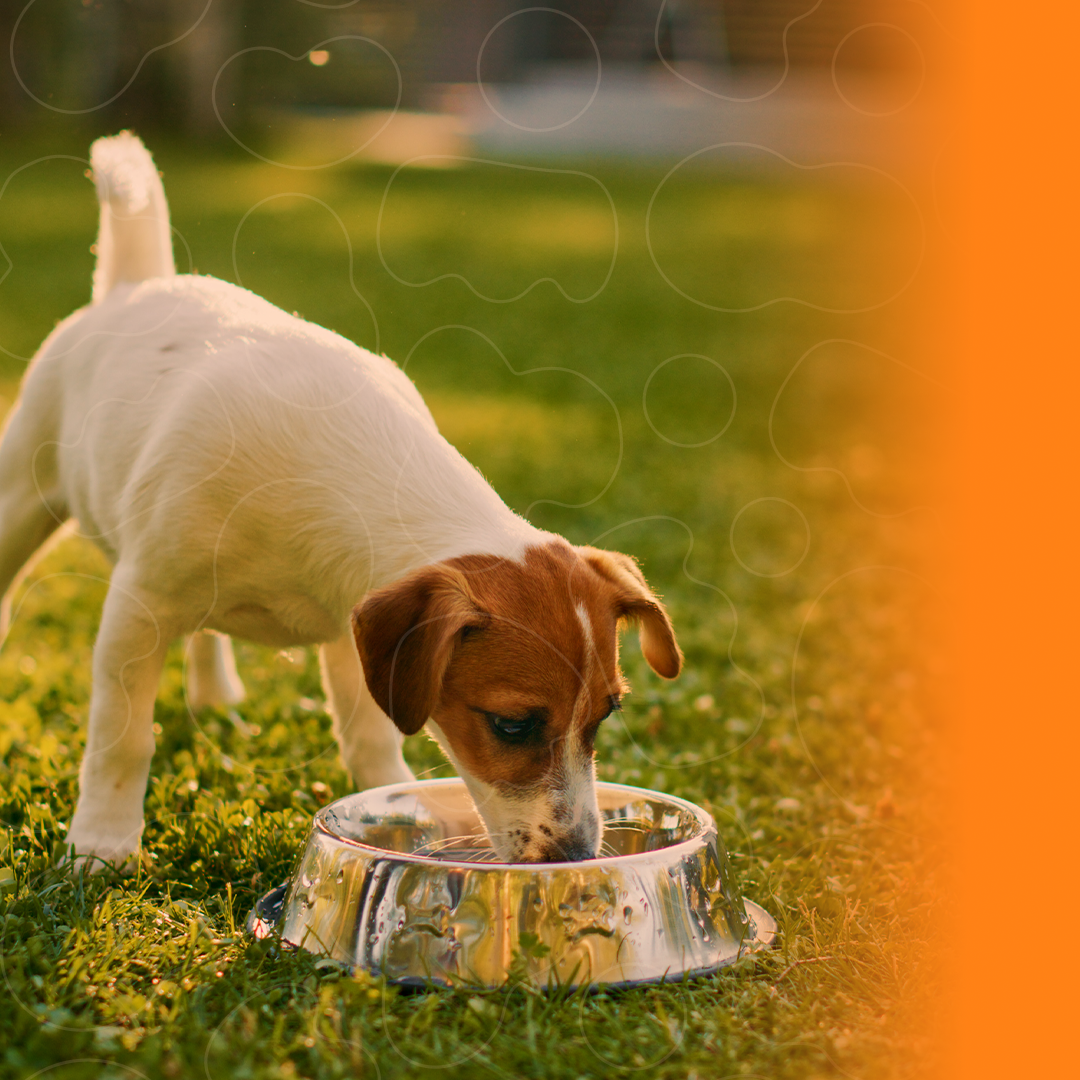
(251, 474)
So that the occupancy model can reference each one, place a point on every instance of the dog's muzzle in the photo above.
(581, 843)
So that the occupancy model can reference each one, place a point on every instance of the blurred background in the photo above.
(669, 274)
(675, 74)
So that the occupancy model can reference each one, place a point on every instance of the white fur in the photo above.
(577, 780)
(247, 472)
(565, 805)
(134, 237)
(559, 815)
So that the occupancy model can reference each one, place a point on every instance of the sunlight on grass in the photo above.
(492, 430)
(807, 719)
(747, 213)
(544, 225)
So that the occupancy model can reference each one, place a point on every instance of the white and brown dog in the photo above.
(249, 473)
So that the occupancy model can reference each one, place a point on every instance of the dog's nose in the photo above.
(575, 852)
(574, 847)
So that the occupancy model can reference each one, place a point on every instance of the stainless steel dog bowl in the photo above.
(401, 880)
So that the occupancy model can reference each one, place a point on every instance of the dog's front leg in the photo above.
(370, 743)
(128, 658)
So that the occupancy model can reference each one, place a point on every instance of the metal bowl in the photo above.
(401, 881)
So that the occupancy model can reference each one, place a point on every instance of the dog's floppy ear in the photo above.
(406, 634)
(634, 601)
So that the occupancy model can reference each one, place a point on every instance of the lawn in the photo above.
(615, 351)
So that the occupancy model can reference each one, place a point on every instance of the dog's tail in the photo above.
(134, 238)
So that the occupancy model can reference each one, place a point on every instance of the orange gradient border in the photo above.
(1014, 595)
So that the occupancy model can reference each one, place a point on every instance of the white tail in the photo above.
(134, 239)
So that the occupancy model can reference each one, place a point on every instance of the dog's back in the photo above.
(187, 422)
(49, 423)
(253, 474)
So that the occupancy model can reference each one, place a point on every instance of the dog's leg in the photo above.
(29, 512)
(211, 671)
(25, 524)
(370, 743)
(128, 658)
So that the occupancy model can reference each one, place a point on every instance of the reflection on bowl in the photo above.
(402, 881)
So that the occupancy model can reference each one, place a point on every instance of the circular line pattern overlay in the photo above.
(914, 94)
(461, 277)
(810, 169)
(667, 438)
(298, 59)
(123, 89)
(525, 11)
(766, 573)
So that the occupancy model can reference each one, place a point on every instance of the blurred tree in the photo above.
(203, 55)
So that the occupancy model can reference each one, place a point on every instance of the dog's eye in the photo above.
(512, 730)
(614, 704)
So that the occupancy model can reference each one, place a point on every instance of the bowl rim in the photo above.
(704, 820)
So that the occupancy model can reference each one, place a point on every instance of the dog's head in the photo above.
(515, 665)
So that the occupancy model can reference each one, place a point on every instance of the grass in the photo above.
(806, 719)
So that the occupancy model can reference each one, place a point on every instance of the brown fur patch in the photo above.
(406, 634)
(525, 652)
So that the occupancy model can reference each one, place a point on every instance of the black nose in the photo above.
(572, 848)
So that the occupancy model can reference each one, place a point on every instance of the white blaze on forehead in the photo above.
(585, 674)
(577, 777)
(586, 628)
(523, 824)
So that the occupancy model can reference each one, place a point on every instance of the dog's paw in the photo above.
(91, 851)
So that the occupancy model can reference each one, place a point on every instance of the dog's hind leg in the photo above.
(31, 508)
(211, 671)
(370, 743)
(128, 657)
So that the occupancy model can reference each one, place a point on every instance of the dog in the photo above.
(251, 474)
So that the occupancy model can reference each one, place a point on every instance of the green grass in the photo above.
(806, 718)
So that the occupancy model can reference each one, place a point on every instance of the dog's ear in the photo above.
(406, 634)
(635, 601)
